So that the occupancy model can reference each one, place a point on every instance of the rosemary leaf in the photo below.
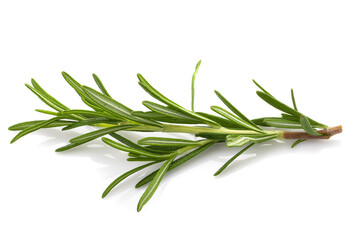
(164, 149)
(297, 142)
(157, 95)
(43, 98)
(168, 111)
(100, 85)
(90, 121)
(176, 163)
(282, 123)
(89, 113)
(164, 118)
(144, 159)
(131, 144)
(133, 150)
(160, 141)
(214, 136)
(47, 95)
(23, 125)
(116, 108)
(74, 84)
(277, 104)
(222, 121)
(47, 112)
(232, 159)
(293, 99)
(235, 119)
(289, 117)
(193, 85)
(262, 89)
(34, 128)
(99, 133)
(123, 176)
(235, 110)
(240, 140)
(149, 192)
(307, 126)
(105, 102)
(68, 146)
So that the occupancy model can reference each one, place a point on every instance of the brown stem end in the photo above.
(326, 134)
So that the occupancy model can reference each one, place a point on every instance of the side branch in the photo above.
(326, 134)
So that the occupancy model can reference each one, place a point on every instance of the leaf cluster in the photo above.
(111, 117)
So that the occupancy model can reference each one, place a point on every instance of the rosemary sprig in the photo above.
(111, 117)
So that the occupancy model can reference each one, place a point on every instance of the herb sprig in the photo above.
(111, 118)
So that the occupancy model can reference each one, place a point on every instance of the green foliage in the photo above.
(297, 142)
(193, 85)
(150, 190)
(232, 159)
(111, 117)
(305, 123)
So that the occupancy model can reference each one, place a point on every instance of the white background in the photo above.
(272, 192)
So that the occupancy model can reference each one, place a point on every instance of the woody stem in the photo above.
(326, 134)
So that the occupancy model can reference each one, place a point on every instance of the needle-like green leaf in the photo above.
(262, 89)
(283, 107)
(214, 136)
(23, 125)
(193, 85)
(261, 121)
(307, 126)
(47, 112)
(69, 116)
(133, 150)
(116, 108)
(100, 85)
(105, 102)
(157, 95)
(144, 159)
(235, 110)
(148, 114)
(88, 122)
(91, 136)
(293, 99)
(164, 149)
(34, 128)
(240, 140)
(43, 98)
(168, 111)
(176, 163)
(163, 118)
(235, 119)
(88, 113)
(232, 159)
(99, 133)
(91, 104)
(289, 117)
(297, 142)
(277, 104)
(73, 83)
(160, 141)
(78, 88)
(123, 176)
(68, 146)
(282, 123)
(131, 144)
(47, 95)
(149, 192)
(221, 121)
